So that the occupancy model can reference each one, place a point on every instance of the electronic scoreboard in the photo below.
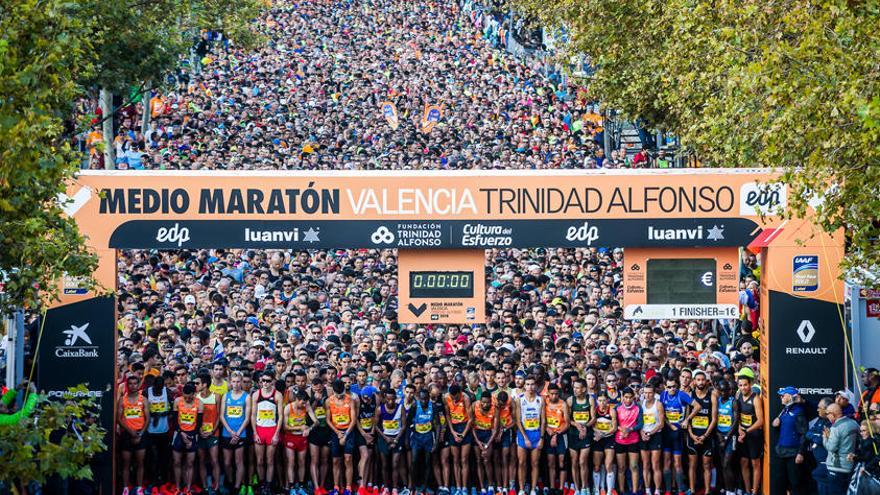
(686, 283)
(442, 286)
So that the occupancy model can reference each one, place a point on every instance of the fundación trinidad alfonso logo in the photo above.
(77, 343)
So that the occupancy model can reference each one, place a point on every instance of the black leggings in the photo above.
(159, 458)
(790, 476)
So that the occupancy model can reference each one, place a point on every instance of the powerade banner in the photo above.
(806, 351)
(77, 347)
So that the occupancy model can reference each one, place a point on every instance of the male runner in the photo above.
(751, 437)
(653, 419)
(485, 427)
(266, 419)
(189, 412)
(235, 407)
(457, 409)
(134, 416)
(530, 424)
(580, 435)
(675, 403)
(208, 441)
(341, 410)
(556, 414)
(701, 430)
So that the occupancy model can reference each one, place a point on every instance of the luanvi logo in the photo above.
(805, 332)
(716, 233)
(75, 343)
(174, 235)
(761, 199)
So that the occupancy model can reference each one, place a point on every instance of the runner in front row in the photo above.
(133, 417)
(188, 415)
(266, 419)
(580, 434)
(530, 424)
(235, 418)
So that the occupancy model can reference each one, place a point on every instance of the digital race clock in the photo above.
(441, 285)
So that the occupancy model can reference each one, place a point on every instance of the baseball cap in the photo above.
(846, 394)
(746, 372)
(189, 299)
(612, 349)
(788, 390)
(253, 320)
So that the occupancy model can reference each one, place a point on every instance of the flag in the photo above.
(389, 111)
(432, 115)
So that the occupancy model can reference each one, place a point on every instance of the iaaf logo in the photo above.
(762, 199)
(176, 234)
(584, 233)
(71, 349)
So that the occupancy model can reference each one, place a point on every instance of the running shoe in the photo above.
(125, 491)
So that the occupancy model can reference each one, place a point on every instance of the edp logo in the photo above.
(761, 199)
(584, 233)
(176, 234)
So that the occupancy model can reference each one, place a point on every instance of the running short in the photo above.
(725, 445)
(297, 443)
(226, 443)
(705, 449)
(752, 447)
(346, 447)
(177, 444)
(126, 442)
(483, 435)
(423, 442)
(575, 442)
(385, 448)
(653, 443)
(505, 438)
(534, 437)
(265, 435)
(207, 443)
(560, 445)
(360, 441)
(320, 436)
(673, 441)
(626, 448)
(604, 443)
(450, 440)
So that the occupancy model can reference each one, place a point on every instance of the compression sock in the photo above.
(680, 480)
(609, 480)
(597, 480)
(667, 479)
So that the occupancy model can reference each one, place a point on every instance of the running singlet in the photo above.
(209, 413)
(296, 420)
(221, 389)
(603, 421)
(505, 417)
(340, 412)
(390, 421)
(267, 411)
(675, 405)
(484, 420)
(187, 414)
(580, 411)
(159, 409)
(234, 413)
(725, 415)
(613, 399)
(701, 421)
(457, 413)
(133, 412)
(424, 420)
(746, 410)
(555, 415)
(531, 413)
(650, 417)
(367, 411)
(628, 417)
(319, 410)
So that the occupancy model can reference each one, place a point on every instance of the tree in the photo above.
(751, 83)
(58, 438)
(43, 54)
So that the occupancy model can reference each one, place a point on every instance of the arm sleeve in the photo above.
(9, 397)
(640, 420)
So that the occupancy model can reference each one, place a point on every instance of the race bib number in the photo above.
(553, 422)
(366, 423)
(603, 425)
(132, 412)
(532, 423)
(234, 412)
(266, 414)
(294, 422)
(725, 421)
(483, 424)
(673, 416)
(423, 427)
(207, 427)
(701, 422)
(320, 413)
(457, 417)
(650, 419)
(390, 424)
(341, 419)
(187, 419)
(158, 408)
(747, 419)
(582, 417)
(442, 419)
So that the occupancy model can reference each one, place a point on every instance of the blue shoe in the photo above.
(473, 491)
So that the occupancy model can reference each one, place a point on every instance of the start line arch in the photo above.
(447, 219)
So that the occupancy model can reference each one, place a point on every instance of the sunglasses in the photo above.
(266, 381)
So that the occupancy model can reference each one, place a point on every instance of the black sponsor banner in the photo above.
(806, 351)
(77, 347)
(441, 234)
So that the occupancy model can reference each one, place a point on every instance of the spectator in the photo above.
(815, 444)
(792, 424)
(845, 399)
(841, 440)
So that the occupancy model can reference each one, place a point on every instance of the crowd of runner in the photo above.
(287, 371)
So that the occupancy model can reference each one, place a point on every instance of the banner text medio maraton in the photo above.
(420, 201)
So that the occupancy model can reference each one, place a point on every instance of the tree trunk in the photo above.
(145, 103)
(107, 130)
